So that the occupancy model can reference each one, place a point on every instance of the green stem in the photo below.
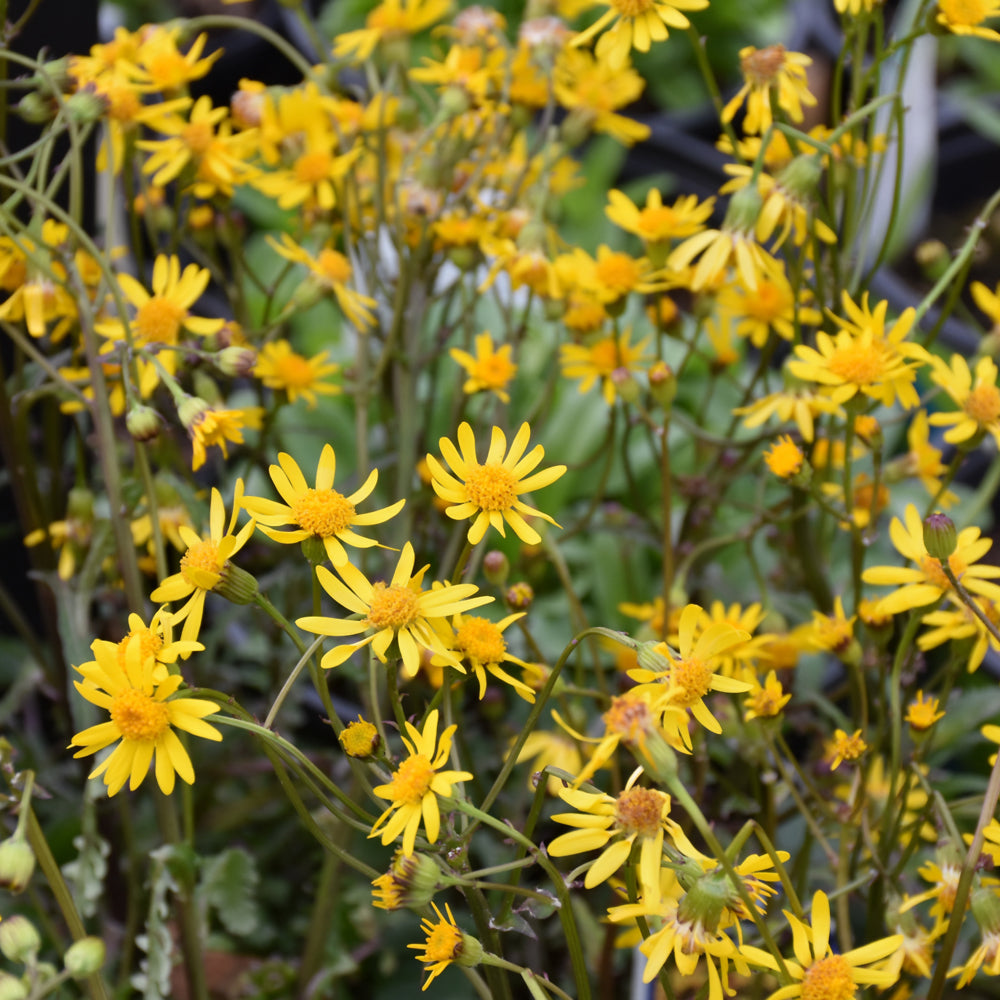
(292, 678)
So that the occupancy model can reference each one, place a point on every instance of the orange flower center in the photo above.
(444, 943)
(629, 718)
(313, 167)
(983, 404)
(657, 223)
(932, 569)
(768, 303)
(392, 607)
(604, 355)
(202, 557)
(491, 487)
(860, 363)
(495, 371)
(618, 272)
(335, 266)
(632, 8)
(694, 678)
(785, 458)
(198, 137)
(412, 781)
(639, 810)
(159, 320)
(761, 66)
(150, 644)
(138, 716)
(359, 739)
(481, 641)
(294, 371)
(323, 512)
(829, 979)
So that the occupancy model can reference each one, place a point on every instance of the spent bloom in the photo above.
(416, 784)
(490, 491)
(446, 943)
(144, 713)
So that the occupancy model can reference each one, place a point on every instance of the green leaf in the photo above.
(228, 885)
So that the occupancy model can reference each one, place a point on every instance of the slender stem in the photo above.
(292, 678)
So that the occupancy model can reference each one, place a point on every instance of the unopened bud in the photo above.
(191, 410)
(84, 957)
(142, 422)
(36, 109)
(19, 941)
(237, 585)
(86, 107)
(743, 211)
(496, 566)
(662, 384)
(17, 862)
(519, 596)
(12, 988)
(940, 537)
(802, 176)
(625, 385)
(236, 361)
(933, 258)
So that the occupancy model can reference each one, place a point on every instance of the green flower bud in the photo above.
(743, 211)
(84, 957)
(36, 109)
(519, 596)
(801, 177)
(933, 258)
(236, 361)
(706, 899)
(237, 585)
(19, 941)
(12, 988)
(17, 862)
(662, 384)
(496, 566)
(314, 550)
(940, 536)
(191, 410)
(142, 422)
(985, 906)
(86, 107)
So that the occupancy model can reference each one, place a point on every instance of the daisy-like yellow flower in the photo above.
(205, 564)
(446, 943)
(144, 714)
(490, 492)
(832, 633)
(863, 357)
(770, 71)
(785, 458)
(977, 396)
(330, 270)
(985, 905)
(399, 612)
(954, 625)
(490, 369)
(605, 359)
(416, 784)
(159, 62)
(481, 646)
(215, 427)
(799, 405)
(162, 316)
(925, 581)
(690, 674)
(656, 223)
(390, 19)
(766, 701)
(322, 512)
(71, 536)
(923, 712)
(817, 969)
(280, 367)
(845, 747)
(772, 307)
(965, 17)
(635, 24)
(943, 874)
(613, 826)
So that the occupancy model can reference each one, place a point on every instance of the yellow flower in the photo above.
(656, 222)
(322, 513)
(767, 72)
(978, 399)
(490, 369)
(635, 24)
(157, 640)
(390, 19)
(614, 826)
(946, 625)
(923, 460)
(159, 62)
(359, 738)
(330, 270)
(965, 17)
(843, 747)
(214, 427)
(446, 943)
(480, 644)
(765, 701)
(819, 971)
(550, 749)
(800, 405)
(279, 367)
(605, 359)
(923, 712)
(416, 784)
(785, 458)
(832, 633)
(204, 564)
(491, 491)
(771, 306)
(925, 582)
(863, 357)
(399, 611)
(144, 714)
(855, 7)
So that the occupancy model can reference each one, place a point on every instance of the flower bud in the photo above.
(743, 211)
(86, 107)
(933, 258)
(17, 862)
(36, 109)
(237, 585)
(496, 566)
(625, 385)
(940, 537)
(142, 422)
(236, 361)
(19, 941)
(662, 384)
(84, 957)
(12, 988)
(801, 177)
(519, 596)
(191, 410)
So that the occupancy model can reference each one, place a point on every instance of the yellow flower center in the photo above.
(167, 69)
(933, 570)
(761, 66)
(768, 303)
(491, 487)
(767, 702)
(829, 979)
(198, 137)
(618, 272)
(632, 8)
(202, 557)
(123, 103)
(495, 371)
(150, 644)
(138, 716)
(313, 167)
(159, 320)
(967, 13)
(412, 781)
(392, 607)
(481, 641)
(294, 371)
(860, 363)
(335, 266)
(638, 810)
(323, 512)
(694, 678)
(657, 223)
(604, 355)
(629, 718)
(444, 943)
(359, 739)
(785, 458)
(983, 404)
